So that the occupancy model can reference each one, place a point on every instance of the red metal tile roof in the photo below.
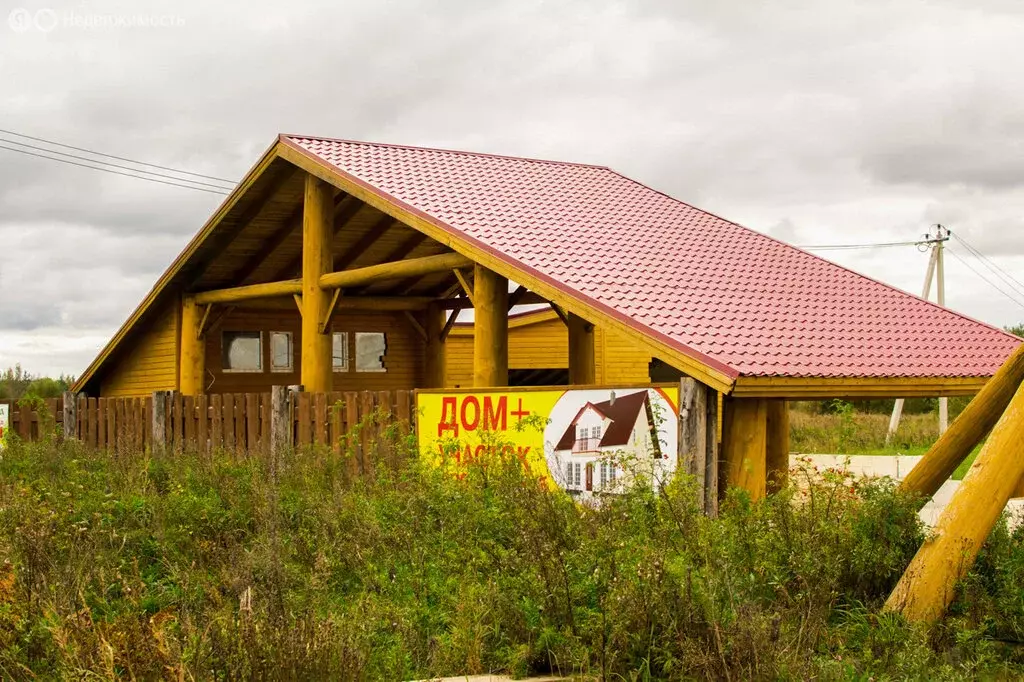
(739, 301)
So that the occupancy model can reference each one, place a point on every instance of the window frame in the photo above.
(224, 352)
(291, 352)
(348, 355)
(383, 356)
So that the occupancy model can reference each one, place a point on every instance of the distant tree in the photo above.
(16, 383)
(1017, 329)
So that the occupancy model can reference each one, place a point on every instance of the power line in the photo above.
(986, 279)
(112, 165)
(119, 158)
(1006, 277)
(842, 247)
(107, 170)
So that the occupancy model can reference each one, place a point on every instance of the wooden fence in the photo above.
(239, 422)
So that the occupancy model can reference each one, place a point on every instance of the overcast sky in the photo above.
(817, 122)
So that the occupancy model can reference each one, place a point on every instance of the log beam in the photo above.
(777, 445)
(434, 360)
(316, 372)
(927, 587)
(249, 292)
(378, 303)
(582, 359)
(744, 442)
(977, 419)
(395, 270)
(192, 348)
(490, 337)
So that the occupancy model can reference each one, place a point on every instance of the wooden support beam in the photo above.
(298, 302)
(191, 348)
(463, 303)
(271, 244)
(345, 213)
(693, 434)
(325, 323)
(582, 358)
(490, 337)
(394, 270)
(363, 244)
(452, 317)
(415, 324)
(378, 303)
(464, 283)
(777, 445)
(560, 312)
(202, 320)
(224, 238)
(929, 583)
(435, 369)
(744, 455)
(288, 287)
(515, 296)
(967, 430)
(315, 369)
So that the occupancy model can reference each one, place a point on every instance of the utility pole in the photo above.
(936, 270)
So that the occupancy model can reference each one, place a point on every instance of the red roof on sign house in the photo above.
(734, 299)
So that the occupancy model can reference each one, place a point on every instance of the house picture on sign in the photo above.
(599, 441)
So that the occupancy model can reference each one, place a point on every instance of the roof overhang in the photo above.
(859, 387)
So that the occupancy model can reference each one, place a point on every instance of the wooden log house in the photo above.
(341, 265)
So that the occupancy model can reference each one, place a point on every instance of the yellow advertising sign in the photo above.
(584, 441)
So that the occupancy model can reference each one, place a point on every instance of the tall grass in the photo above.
(848, 432)
(213, 568)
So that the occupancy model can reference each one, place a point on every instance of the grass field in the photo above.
(213, 568)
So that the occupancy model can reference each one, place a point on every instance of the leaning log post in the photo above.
(977, 419)
(928, 585)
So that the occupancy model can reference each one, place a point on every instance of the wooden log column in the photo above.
(317, 219)
(192, 349)
(744, 446)
(777, 445)
(977, 419)
(582, 362)
(434, 360)
(928, 585)
(490, 334)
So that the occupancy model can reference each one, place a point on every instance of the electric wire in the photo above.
(112, 165)
(845, 247)
(992, 284)
(112, 156)
(1006, 277)
(115, 172)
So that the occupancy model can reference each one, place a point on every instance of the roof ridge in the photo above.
(814, 255)
(442, 150)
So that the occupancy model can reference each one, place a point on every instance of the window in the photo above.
(568, 475)
(339, 351)
(582, 432)
(595, 432)
(370, 350)
(241, 351)
(282, 353)
(577, 467)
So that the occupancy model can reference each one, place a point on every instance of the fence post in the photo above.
(70, 415)
(711, 452)
(280, 424)
(693, 433)
(159, 422)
